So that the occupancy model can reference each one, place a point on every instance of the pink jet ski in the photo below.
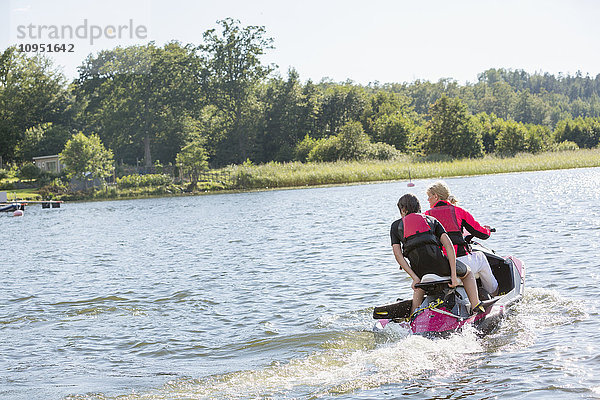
(445, 310)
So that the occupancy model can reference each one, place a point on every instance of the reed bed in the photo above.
(279, 175)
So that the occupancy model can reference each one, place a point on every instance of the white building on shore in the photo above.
(49, 163)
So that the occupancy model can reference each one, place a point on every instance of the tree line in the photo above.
(217, 103)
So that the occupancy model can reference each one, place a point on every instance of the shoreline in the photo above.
(288, 176)
(325, 185)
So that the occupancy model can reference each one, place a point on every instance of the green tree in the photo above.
(286, 119)
(381, 104)
(42, 140)
(451, 130)
(530, 108)
(501, 98)
(583, 131)
(32, 92)
(488, 126)
(354, 142)
(210, 126)
(231, 74)
(512, 138)
(137, 97)
(424, 93)
(538, 138)
(394, 129)
(85, 155)
(192, 160)
(340, 105)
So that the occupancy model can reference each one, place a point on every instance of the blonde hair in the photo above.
(442, 191)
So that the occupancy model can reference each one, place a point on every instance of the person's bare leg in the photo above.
(418, 295)
(470, 286)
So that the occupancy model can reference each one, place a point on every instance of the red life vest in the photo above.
(413, 224)
(453, 219)
(447, 216)
(417, 232)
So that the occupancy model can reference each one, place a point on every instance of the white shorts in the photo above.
(479, 265)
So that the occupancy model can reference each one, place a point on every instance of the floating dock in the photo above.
(20, 204)
(16, 204)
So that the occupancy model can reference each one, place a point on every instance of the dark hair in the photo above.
(410, 203)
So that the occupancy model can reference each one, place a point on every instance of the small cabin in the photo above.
(49, 163)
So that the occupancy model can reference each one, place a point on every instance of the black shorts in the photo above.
(430, 260)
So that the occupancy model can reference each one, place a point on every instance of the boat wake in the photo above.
(350, 363)
(539, 310)
(356, 359)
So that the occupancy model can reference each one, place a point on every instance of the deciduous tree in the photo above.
(451, 130)
(231, 73)
(192, 160)
(85, 155)
(136, 98)
(512, 138)
(32, 92)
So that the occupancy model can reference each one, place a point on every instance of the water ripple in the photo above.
(270, 294)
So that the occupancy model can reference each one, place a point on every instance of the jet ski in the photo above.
(445, 310)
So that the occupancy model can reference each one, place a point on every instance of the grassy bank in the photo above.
(278, 175)
(22, 194)
(275, 175)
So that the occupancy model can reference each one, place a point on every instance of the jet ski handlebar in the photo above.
(469, 238)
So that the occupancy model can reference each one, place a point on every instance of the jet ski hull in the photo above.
(446, 310)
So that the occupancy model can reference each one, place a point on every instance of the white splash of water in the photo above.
(359, 360)
(352, 362)
(538, 310)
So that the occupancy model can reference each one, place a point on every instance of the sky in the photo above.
(378, 41)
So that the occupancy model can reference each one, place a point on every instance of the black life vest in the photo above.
(417, 232)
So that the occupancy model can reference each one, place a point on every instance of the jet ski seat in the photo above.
(433, 278)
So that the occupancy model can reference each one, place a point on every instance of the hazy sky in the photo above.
(385, 41)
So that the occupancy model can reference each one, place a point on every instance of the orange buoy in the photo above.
(410, 184)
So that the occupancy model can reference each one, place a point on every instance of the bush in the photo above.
(50, 192)
(565, 146)
(133, 181)
(29, 171)
(382, 151)
(326, 149)
(242, 176)
(304, 148)
(7, 186)
(352, 143)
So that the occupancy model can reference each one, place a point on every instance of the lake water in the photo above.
(269, 295)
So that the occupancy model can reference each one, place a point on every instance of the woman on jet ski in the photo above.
(418, 238)
(455, 219)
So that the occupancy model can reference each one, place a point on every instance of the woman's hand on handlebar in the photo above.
(455, 282)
